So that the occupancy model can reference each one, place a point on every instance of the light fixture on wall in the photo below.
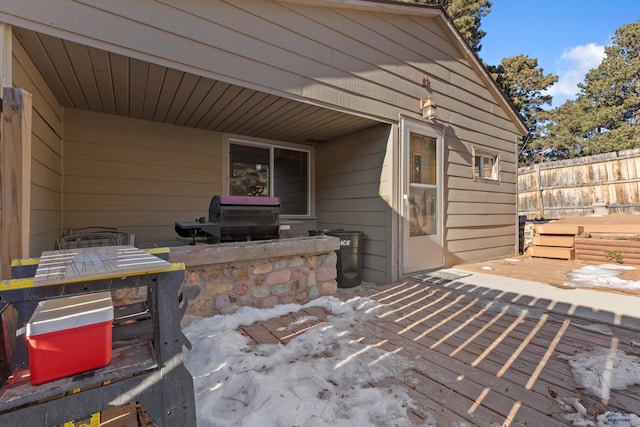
(428, 108)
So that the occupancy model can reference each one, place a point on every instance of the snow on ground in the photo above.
(295, 385)
(601, 276)
(601, 370)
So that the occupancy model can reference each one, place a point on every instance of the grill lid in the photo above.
(235, 218)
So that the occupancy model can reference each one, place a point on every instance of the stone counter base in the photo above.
(221, 278)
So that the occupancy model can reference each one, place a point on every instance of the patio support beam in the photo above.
(15, 168)
(6, 46)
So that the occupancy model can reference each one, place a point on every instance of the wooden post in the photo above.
(15, 169)
(6, 50)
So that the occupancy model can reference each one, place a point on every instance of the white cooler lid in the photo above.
(64, 313)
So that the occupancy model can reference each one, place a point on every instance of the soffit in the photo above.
(88, 78)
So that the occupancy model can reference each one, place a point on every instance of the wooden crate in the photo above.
(553, 240)
(552, 252)
(559, 228)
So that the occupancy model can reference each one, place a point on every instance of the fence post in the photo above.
(539, 191)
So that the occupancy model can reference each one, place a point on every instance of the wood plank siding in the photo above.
(46, 153)
(354, 191)
(137, 175)
(480, 217)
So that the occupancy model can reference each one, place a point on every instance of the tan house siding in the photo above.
(480, 216)
(137, 175)
(354, 191)
(46, 154)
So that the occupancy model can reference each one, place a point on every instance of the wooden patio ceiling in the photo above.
(476, 364)
(92, 79)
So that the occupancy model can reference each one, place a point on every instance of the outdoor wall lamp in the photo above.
(428, 108)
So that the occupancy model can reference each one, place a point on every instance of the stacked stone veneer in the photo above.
(221, 278)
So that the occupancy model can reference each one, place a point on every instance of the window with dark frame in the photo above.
(485, 166)
(268, 170)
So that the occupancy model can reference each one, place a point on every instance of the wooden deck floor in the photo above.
(471, 363)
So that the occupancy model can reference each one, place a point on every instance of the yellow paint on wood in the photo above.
(10, 285)
(24, 262)
(156, 251)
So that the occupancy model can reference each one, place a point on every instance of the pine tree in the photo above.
(523, 81)
(466, 16)
(605, 115)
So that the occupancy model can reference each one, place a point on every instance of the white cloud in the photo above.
(573, 64)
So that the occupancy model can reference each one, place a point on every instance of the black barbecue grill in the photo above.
(234, 219)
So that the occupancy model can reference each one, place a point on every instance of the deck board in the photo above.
(485, 365)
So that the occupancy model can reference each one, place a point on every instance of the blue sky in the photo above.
(567, 36)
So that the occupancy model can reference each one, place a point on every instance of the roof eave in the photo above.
(389, 6)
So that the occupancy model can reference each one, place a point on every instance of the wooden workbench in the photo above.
(147, 371)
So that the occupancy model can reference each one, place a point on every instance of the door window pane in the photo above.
(423, 177)
(423, 203)
(423, 160)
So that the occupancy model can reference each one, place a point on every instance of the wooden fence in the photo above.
(569, 188)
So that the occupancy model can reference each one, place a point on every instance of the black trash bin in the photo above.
(349, 262)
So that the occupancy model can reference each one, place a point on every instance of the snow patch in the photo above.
(320, 378)
(601, 276)
(601, 370)
(596, 327)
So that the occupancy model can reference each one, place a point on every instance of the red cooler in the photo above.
(70, 335)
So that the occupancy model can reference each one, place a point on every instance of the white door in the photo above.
(422, 222)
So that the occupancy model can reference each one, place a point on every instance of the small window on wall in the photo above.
(486, 166)
(269, 170)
